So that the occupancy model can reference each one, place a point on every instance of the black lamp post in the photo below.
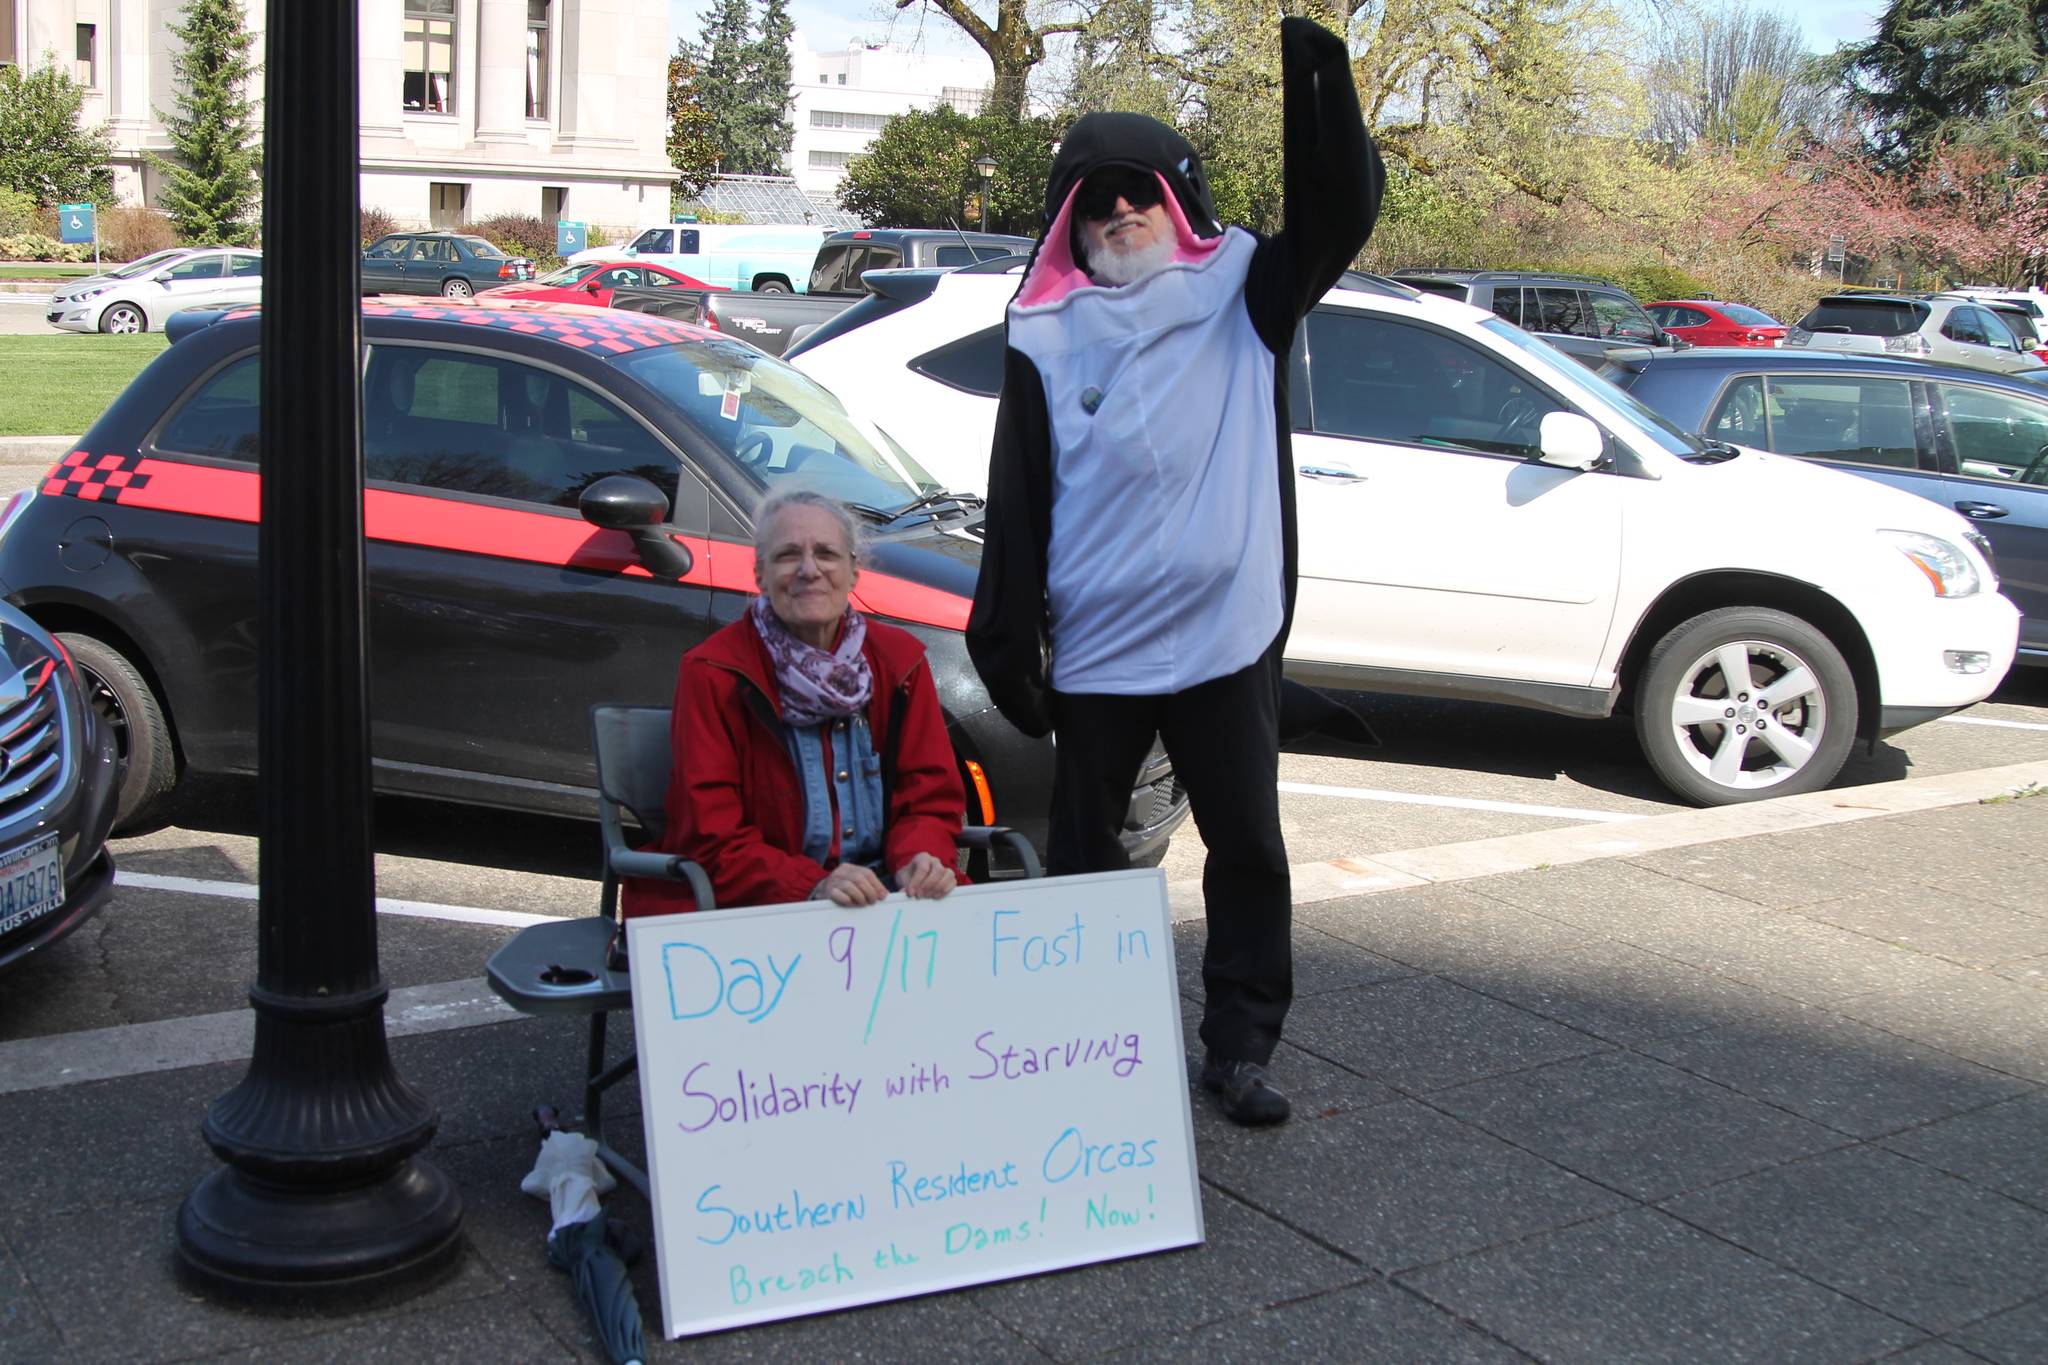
(322, 1190)
(985, 167)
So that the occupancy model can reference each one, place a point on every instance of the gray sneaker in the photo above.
(1248, 1095)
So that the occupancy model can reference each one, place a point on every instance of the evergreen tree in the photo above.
(720, 56)
(213, 179)
(1951, 71)
(769, 97)
(690, 147)
(45, 153)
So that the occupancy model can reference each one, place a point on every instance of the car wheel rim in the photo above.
(1749, 714)
(458, 290)
(122, 323)
(107, 702)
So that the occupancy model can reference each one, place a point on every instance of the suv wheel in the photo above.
(116, 689)
(456, 289)
(1743, 703)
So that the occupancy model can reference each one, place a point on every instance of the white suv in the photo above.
(1482, 517)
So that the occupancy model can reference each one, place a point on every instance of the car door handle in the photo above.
(1983, 511)
(1331, 474)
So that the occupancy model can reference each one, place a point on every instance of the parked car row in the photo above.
(1462, 491)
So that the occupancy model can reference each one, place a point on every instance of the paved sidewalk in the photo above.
(1778, 1098)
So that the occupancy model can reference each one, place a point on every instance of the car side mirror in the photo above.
(1570, 441)
(627, 502)
(591, 287)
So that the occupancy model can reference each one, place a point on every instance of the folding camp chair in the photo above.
(578, 966)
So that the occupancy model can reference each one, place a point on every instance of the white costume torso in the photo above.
(1165, 564)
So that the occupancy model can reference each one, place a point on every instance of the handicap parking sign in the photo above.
(569, 238)
(75, 222)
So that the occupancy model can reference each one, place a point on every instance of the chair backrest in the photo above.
(633, 763)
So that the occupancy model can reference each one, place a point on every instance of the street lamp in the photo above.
(985, 167)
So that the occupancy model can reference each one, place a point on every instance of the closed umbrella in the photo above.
(583, 1242)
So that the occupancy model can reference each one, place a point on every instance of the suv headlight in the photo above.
(1981, 543)
(1945, 565)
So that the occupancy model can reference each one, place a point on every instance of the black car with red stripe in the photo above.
(531, 471)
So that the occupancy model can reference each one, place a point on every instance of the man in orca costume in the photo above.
(1138, 572)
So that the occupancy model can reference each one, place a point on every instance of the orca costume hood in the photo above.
(1135, 142)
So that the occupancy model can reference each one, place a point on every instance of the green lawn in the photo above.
(57, 385)
(47, 270)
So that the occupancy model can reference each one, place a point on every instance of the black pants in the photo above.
(1224, 739)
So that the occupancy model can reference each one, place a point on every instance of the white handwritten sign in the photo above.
(845, 1106)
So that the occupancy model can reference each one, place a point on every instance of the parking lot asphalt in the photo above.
(1672, 1089)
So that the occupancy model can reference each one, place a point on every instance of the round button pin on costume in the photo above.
(1091, 399)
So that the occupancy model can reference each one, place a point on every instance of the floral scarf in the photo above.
(816, 685)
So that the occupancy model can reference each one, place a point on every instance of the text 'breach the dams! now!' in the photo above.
(848, 1105)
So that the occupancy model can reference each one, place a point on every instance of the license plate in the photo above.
(31, 883)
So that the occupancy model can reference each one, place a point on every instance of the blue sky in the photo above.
(829, 24)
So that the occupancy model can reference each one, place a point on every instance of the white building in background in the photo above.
(555, 108)
(843, 99)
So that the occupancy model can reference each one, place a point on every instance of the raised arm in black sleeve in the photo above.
(1008, 630)
(1331, 184)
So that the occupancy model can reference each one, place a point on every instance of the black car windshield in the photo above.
(1749, 317)
(777, 424)
(1866, 317)
(1561, 369)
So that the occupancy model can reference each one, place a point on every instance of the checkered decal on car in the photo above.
(96, 478)
(584, 328)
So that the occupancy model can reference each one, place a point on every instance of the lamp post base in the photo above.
(261, 1241)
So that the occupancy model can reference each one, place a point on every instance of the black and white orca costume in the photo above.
(1137, 575)
(1153, 386)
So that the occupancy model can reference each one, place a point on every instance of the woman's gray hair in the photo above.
(783, 498)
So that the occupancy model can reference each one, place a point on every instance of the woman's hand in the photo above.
(851, 884)
(925, 877)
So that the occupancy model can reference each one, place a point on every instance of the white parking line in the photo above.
(1987, 720)
(1457, 802)
(245, 891)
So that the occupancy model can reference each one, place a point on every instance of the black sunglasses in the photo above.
(1100, 191)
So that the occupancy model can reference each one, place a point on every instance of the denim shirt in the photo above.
(857, 783)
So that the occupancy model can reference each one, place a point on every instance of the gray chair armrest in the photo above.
(667, 867)
(986, 837)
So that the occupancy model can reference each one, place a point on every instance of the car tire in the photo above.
(456, 289)
(1792, 712)
(774, 284)
(142, 738)
(124, 319)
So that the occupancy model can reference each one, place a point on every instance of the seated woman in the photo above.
(811, 758)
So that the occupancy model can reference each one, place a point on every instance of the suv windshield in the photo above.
(1866, 317)
(776, 423)
(1560, 369)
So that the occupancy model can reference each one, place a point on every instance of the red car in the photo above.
(1713, 322)
(593, 282)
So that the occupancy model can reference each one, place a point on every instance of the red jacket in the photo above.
(735, 803)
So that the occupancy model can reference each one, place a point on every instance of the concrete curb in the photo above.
(35, 450)
(1338, 878)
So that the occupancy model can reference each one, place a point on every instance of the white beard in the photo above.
(1114, 265)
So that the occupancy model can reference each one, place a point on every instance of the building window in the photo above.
(842, 78)
(554, 203)
(829, 161)
(86, 70)
(830, 118)
(537, 58)
(430, 56)
(447, 205)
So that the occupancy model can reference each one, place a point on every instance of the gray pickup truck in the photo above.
(773, 322)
